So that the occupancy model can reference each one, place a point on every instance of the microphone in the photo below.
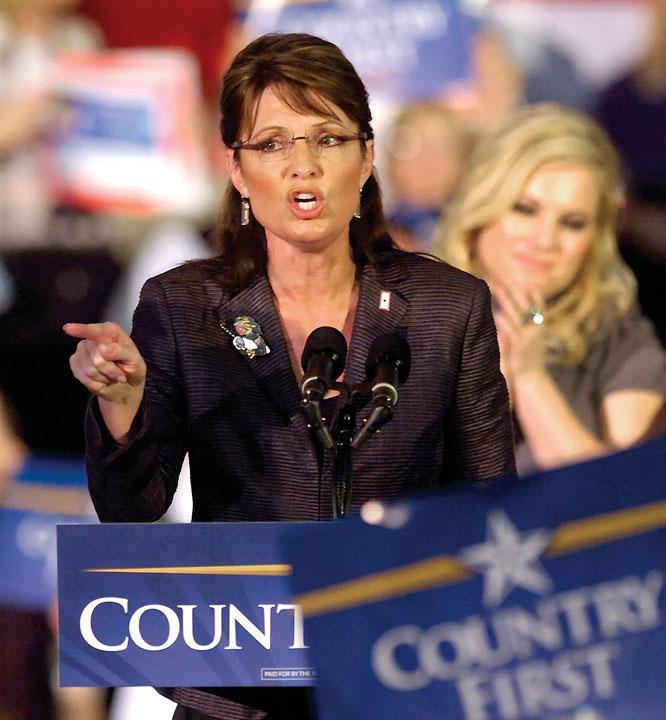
(323, 361)
(387, 367)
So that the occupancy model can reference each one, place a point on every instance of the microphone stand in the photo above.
(343, 432)
(340, 439)
(387, 366)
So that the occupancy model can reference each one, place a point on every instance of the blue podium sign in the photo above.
(202, 604)
(534, 598)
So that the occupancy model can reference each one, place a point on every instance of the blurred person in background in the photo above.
(426, 151)
(32, 34)
(430, 141)
(633, 111)
(549, 71)
(535, 218)
(498, 84)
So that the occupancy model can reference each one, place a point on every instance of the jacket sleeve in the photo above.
(478, 429)
(136, 481)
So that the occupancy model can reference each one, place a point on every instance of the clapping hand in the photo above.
(520, 331)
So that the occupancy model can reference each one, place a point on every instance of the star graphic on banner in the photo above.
(508, 559)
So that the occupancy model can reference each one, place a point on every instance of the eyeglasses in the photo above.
(280, 145)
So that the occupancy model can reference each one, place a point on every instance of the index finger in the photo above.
(97, 332)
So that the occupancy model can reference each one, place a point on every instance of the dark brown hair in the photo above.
(307, 73)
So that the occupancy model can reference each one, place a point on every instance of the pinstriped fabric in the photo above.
(251, 454)
(284, 703)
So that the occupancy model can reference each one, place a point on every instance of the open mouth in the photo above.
(306, 201)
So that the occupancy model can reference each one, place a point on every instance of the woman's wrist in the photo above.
(531, 377)
(118, 414)
(530, 385)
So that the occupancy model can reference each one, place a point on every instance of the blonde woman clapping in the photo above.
(535, 218)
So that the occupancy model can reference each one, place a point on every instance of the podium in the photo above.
(539, 597)
(201, 604)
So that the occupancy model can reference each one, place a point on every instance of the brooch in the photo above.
(247, 336)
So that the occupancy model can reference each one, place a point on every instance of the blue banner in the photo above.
(402, 49)
(528, 598)
(203, 604)
(48, 491)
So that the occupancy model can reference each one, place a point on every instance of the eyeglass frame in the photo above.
(316, 150)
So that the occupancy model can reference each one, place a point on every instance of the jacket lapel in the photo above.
(381, 309)
(273, 371)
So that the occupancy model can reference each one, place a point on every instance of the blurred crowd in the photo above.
(552, 190)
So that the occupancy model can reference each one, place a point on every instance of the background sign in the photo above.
(130, 143)
(402, 49)
(48, 491)
(534, 598)
(203, 604)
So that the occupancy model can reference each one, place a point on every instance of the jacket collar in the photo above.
(381, 309)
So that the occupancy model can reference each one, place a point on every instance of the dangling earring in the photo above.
(245, 211)
(357, 212)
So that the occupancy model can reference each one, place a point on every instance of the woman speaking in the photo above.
(212, 367)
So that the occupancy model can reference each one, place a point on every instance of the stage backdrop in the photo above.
(535, 598)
